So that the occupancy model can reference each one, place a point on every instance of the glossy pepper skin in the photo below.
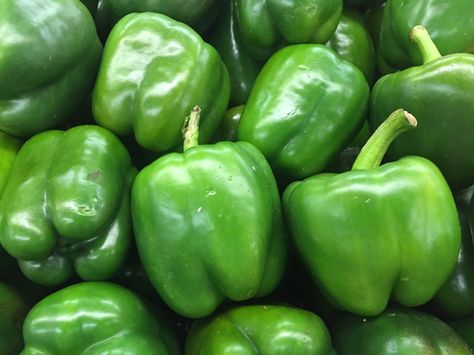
(451, 27)
(95, 318)
(208, 225)
(13, 310)
(154, 71)
(266, 25)
(48, 67)
(439, 93)
(9, 147)
(66, 205)
(265, 330)
(243, 68)
(376, 232)
(227, 130)
(353, 42)
(397, 331)
(305, 107)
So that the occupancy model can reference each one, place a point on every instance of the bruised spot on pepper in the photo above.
(94, 175)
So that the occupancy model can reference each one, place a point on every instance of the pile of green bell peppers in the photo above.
(209, 177)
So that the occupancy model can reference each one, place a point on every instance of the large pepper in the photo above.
(397, 331)
(305, 107)
(66, 205)
(440, 94)
(377, 231)
(451, 25)
(266, 25)
(208, 225)
(47, 65)
(96, 318)
(13, 310)
(265, 330)
(353, 42)
(154, 71)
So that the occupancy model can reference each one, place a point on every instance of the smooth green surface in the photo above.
(227, 130)
(262, 330)
(47, 66)
(9, 147)
(451, 25)
(353, 42)
(95, 318)
(66, 205)
(153, 72)
(208, 226)
(13, 310)
(305, 107)
(465, 328)
(397, 331)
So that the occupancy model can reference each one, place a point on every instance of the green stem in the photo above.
(373, 151)
(191, 129)
(428, 50)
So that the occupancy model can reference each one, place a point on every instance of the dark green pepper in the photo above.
(96, 318)
(364, 4)
(154, 71)
(465, 328)
(440, 94)
(305, 107)
(265, 330)
(397, 331)
(227, 130)
(377, 231)
(451, 25)
(66, 205)
(208, 225)
(13, 310)
(48, 66)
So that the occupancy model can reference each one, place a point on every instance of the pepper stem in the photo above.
(191, 129)
(373, 151)
(428, 50)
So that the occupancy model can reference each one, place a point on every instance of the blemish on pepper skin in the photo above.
(94, 175)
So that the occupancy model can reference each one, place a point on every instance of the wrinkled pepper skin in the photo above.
(9, 147)
(198, 14)
(154, 71)
(92, 318)
(260, 330)
(440, 95)
(456, 298)
(465, 328)
(353, 42)
(13, 310)
(451, 26)
(376, 232)
(364, 4)
(305, 107)
(266, 25)
(243, 68)
(397, 331)
(208, 226)
(48, 67)
(66, 205)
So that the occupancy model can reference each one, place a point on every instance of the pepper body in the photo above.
(13, 310)
(154, 70)
(9, 147)
(208, 226)
(305, 107)
(465, 328)
(397, 331)
(266, 330)
(228, 128)
(95, 318)
(66, 205)
(48, 67)
(450, 25)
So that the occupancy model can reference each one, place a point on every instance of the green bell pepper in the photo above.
(450, 24)
(91, 5)
(305, 107)
(154, 71)
(95, 318)
(208, 224)
(243, 68)
(353, 42)
(12, 313)
(397, 331)
(440, 94)
(376, 232)
(227, 130)
(9, 147)
(265, 330)
(266, 25)
(66, 205)
(48, 66)
(465, 328)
